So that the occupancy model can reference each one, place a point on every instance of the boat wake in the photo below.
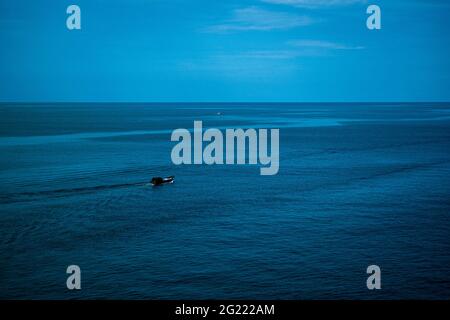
(30, 196)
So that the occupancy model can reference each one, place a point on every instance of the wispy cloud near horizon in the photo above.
(254, 63)
(320, 44)
(257, 19)
(315, 3)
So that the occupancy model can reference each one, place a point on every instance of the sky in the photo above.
(224, 51)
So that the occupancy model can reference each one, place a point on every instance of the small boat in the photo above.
(157, 181)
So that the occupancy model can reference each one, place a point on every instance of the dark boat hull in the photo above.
(158, 181)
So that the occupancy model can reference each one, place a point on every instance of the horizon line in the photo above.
(219, 102)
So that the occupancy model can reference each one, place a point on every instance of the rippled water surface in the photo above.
(358, 185)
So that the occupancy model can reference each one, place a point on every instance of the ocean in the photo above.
(358, 185)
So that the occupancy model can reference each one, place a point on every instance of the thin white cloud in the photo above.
(296, 49)
(265, 63)
(258, 19)
(319, 44)
(315, 3)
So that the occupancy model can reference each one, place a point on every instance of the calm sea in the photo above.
(359, 184)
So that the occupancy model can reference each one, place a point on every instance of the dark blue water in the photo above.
(358, 185)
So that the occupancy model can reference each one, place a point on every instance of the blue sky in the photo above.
(229, 50)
